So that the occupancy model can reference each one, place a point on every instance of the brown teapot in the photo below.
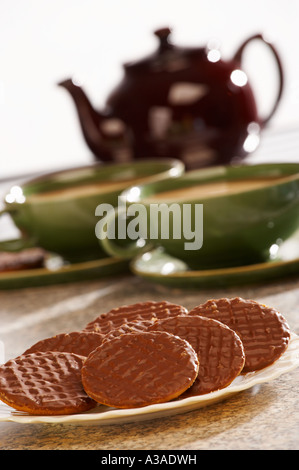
(179, 102)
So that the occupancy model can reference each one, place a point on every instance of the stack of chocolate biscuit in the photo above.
(145, 353)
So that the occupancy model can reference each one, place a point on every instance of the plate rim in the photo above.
(64, 269)
(210, 272)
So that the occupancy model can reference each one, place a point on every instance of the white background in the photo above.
(45, 41)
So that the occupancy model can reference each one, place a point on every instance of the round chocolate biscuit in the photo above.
(77, 342)
(45, 383)
(264, 332)
(30, 258)
(135, 370)
(219, 349)
(139, 311)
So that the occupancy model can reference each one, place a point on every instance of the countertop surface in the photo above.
(263, 417)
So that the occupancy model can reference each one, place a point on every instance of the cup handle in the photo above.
(16, 244)
(238, 58)
(128, 249)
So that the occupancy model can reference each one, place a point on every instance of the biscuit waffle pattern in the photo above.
(45, 383)
(134, 370)
(264, 331)
(139, 311)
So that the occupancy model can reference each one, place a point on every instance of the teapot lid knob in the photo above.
(163, 34)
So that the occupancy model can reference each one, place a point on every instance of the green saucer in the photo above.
(159, 267)
(58, 272)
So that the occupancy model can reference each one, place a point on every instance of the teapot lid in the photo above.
(166, 51)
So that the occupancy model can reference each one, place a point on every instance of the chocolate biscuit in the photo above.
(77, 342)
(30, 258)
(264, 332)
(135, 370)
(219, 349)
(139, 311)
(45, 383)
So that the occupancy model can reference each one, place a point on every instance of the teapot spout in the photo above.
(90, 120)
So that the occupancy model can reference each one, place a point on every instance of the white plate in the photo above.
(105, 415)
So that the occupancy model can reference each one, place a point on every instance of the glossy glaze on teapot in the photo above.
(184, 103)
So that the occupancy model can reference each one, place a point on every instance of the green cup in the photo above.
(237, 215)
(56, 211)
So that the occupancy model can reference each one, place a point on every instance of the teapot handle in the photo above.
(238, 58)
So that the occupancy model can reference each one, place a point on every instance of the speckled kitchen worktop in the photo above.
(264, 417)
